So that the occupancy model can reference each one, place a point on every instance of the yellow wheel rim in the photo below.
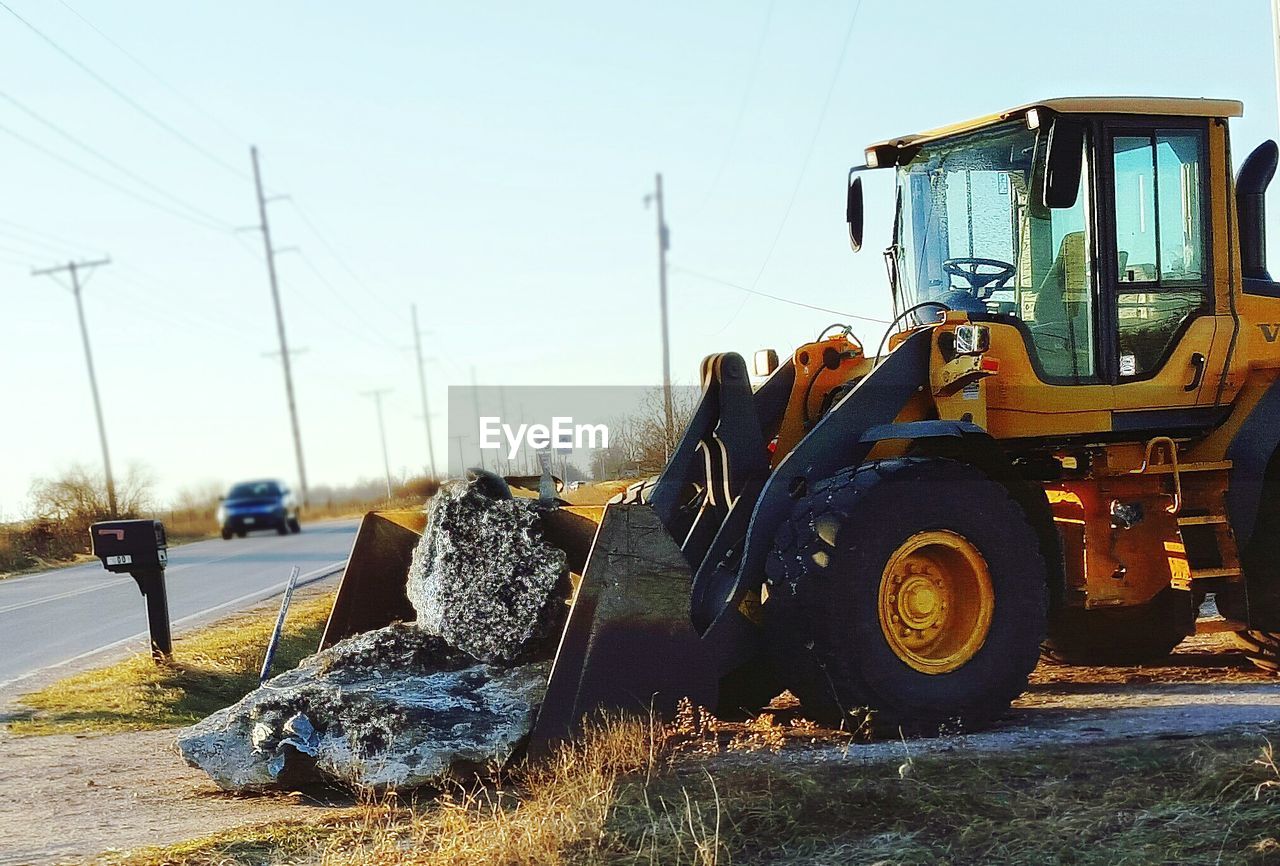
(936, 601)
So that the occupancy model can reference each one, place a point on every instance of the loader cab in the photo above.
(1102, 277)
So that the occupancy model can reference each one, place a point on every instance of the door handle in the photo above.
(1198, 363)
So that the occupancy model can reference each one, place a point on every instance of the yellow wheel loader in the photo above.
(1066, 440)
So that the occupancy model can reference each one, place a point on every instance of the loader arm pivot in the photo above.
(733, 568)
(669, 603)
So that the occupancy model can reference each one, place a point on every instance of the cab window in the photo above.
(1160, 242)
(1055, 287)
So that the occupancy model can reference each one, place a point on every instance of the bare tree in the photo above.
(80, 495)
(638, 443)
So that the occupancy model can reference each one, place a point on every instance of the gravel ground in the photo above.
(75, 796)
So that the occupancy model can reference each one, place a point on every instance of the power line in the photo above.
(342, 298)
(166, 312)
(701, 276)
(742, 107)
(343, 326)
(48, 238)
(43, 246)
(190, 103)
(813, 141)
(107, 181)
(124, 97)
(332, 249)
(205, 215)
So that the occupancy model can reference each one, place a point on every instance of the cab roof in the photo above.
(1146, 105)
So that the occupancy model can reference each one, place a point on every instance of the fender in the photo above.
(968, 443)
(1250, 453)
(1253, 453)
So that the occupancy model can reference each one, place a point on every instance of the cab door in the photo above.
(1156, 268)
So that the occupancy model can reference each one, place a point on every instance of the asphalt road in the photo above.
(59, 617)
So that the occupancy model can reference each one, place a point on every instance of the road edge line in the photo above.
(261, 594)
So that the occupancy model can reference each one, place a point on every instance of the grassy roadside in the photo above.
(625, 797)
(211, 668)
(33, 546)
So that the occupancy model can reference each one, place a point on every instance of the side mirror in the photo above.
(1063, 160)
(766, 361)
(853, 212)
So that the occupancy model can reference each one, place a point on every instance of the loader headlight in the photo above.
(972, 339)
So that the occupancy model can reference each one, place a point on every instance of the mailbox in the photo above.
(125, 546)
(139, 548)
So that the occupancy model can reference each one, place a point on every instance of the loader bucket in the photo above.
(629, 643)
(372, 592)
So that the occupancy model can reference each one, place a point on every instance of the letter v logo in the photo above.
(1270, 330)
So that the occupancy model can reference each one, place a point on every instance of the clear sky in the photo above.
(488, 163)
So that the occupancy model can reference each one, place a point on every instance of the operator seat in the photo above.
(1060, 326)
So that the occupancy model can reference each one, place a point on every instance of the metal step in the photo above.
(1207, 466)
(1202, 519)
(1218, 624)
(1209, 573)
(1167, 468)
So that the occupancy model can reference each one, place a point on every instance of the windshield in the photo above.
(971, 234)
(960, 203)
(253, 490)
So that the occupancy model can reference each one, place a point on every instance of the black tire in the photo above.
(823, 623)
(283, 528)
(226, 535)
(1260, 647)
(294, 526)
(1122, 635)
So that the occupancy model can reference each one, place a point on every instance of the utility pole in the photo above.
(284, 344)
(73, 267)
(502, 413)
(664, 243)
(462, 463)
(382, 433)
(475, 401)
(422, 386)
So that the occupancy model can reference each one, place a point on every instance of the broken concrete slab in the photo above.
(404, 705)
(484, 579)
(393, 708)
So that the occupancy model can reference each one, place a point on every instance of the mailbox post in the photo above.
(139, 548)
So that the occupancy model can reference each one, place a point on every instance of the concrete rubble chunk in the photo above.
(404, 705)
(335, 718)
(483, 581)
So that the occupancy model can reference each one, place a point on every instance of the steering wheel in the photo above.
(981, 282)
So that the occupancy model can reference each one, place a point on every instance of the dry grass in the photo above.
(197, 524)
(623, 796)
(598, 493)
(211, 668)
(45, 543)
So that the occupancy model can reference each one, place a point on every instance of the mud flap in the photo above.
(629, 644)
